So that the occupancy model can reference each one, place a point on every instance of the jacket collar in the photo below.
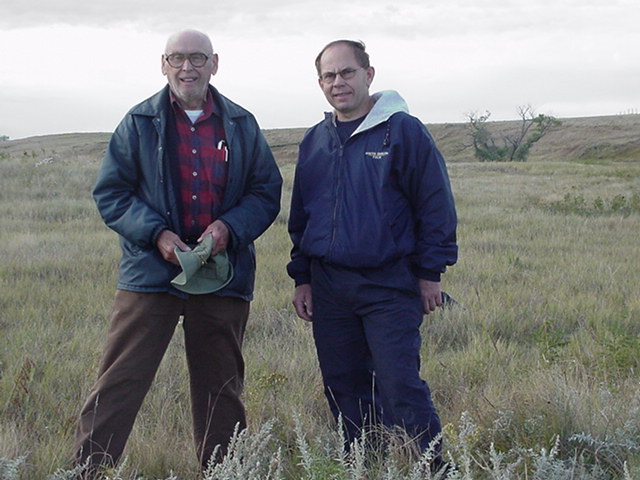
(386, 104)
(157, 104)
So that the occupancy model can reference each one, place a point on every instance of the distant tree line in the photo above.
(4, 138)
(511, 147)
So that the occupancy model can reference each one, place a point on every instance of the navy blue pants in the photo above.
(366, 330)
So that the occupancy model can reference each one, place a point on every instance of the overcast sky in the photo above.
(78, 66)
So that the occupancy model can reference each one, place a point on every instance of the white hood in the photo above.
(387, 103)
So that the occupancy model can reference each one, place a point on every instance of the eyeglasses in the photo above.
(176, 60)
(345, 73)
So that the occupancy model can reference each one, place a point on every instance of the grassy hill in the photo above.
(580, 139)
(535, 373)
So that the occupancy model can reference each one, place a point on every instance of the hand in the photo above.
(220, 233)
(303, 302)
(166, 242)
(431, 295)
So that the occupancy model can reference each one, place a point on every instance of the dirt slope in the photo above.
(589, 138)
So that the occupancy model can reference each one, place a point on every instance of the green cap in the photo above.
(202, 273)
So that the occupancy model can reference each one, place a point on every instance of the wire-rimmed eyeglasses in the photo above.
(346, 74)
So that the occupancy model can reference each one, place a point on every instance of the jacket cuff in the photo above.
(299, 271)
(301, 280)
(429, 275)
(233, 238)
(156, 233)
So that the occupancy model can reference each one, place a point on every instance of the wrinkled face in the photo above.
(187, 82)
(349, 97)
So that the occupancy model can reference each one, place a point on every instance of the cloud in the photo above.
(447, 57)
(244, 17)
(410, 19)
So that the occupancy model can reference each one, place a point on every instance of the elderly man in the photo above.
(373, 226)
(183, 167)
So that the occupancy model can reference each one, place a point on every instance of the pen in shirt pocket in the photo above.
(222, 145)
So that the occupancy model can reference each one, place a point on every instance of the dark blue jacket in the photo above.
(136, 196)
(382, 196)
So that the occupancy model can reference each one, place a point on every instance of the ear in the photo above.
(214, 67)
(163, 65)
(371, 72)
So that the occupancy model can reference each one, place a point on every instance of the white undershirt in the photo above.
(193, 114)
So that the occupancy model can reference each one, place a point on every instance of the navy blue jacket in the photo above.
(136, 197)
(382, 196)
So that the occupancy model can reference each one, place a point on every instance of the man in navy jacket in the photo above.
(182, 165)
(373, 226)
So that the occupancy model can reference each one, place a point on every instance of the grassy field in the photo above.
(535, 373)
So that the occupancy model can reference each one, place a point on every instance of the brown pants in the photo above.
(142, 325)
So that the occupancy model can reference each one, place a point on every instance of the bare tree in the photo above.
(511, 147)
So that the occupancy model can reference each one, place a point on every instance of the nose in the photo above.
(187, 65)
(339, 80)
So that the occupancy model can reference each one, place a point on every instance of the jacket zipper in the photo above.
(336, 190)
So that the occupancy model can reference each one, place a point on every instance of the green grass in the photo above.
(535, 374)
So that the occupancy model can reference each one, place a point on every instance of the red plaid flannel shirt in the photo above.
(202, 166)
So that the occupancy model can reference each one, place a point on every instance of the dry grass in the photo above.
(545, 345)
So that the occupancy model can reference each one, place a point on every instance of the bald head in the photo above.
(191, 36)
